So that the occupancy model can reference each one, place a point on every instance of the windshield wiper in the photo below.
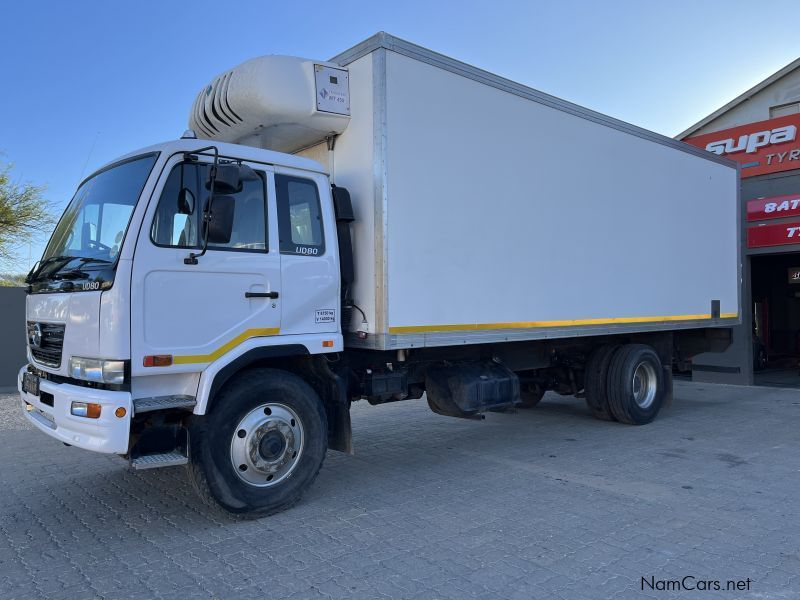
(78, 272)
(71, 274)
(35, 272)
(75, 273)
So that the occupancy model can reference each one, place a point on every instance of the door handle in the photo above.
(272, 295)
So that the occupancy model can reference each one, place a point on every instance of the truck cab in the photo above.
(147, 291)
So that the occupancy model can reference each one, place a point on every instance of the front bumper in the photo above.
(108, 434)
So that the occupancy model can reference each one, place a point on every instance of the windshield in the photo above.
(94, 224)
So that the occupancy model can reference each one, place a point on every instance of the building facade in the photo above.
(759, 130)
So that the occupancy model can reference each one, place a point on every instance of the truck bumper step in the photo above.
(155, 461)
(142, 405)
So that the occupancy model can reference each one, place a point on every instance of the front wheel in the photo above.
(262, 444)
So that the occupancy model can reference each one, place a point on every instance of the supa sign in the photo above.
(751, 142)
(762, 147)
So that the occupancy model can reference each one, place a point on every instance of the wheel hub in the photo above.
(267, 444)
(272, 445)
(645, 384)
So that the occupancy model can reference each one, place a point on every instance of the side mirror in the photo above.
(220, 220)
(186, 202)
(228, 181)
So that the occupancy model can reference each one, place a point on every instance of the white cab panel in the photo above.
(115, 315)
(167, 384)
(310, 283)
(191, 311)
(79, 312)
(312, 342)
(198, 312)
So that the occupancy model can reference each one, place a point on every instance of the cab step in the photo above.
(143, 405)
(155, 461)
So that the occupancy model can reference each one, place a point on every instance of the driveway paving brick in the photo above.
(543, 503)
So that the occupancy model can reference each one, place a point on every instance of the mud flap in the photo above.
(332, 388)
(340, 429)
(667, 369)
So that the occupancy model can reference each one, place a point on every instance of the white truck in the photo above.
(388, 224)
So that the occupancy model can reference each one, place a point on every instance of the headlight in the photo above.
(97, 370)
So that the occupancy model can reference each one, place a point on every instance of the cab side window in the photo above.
(177, 215)
(299, 216)
(176, 223)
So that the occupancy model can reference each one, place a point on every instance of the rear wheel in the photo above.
(636, 385)
(261, 445)
(596, 381)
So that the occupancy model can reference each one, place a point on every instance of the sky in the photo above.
(85, 82)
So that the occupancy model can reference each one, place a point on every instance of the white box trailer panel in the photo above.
(489, 211)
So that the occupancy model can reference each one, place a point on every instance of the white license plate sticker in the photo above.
(326, 315)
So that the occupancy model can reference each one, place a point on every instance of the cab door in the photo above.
(198, 312)
(309, 254)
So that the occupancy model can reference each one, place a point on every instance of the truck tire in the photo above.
(595, 384)
(636, 385)
(261, 446)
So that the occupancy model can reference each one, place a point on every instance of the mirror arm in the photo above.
(192, 258)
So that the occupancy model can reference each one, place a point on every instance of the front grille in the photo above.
(49, 351)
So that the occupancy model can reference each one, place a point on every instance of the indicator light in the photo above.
(158, 360)
(88, 410)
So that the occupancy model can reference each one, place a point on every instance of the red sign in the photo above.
(776, 207)
(773, 235)
(762, 147)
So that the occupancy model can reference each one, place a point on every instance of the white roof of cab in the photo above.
(236, 151)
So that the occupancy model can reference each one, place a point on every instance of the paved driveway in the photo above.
(546, 503)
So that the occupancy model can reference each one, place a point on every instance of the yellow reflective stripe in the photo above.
(565, 323)
(245, 335)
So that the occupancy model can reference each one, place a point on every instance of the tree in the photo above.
(12, 280)
(24, 213)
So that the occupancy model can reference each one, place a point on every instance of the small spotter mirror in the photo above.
(186, 202)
